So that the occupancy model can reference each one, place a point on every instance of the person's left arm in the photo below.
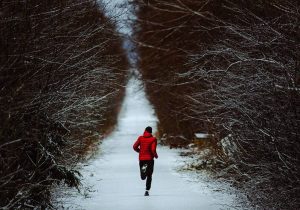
(153, 148)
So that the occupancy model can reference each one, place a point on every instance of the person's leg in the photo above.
(149, 174)
(143, 175)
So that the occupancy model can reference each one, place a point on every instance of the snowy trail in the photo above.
(113, 174)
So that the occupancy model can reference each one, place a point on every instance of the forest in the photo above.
(62, 78)
(230, 69)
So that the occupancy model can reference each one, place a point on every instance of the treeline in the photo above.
(62, 77)
(229, 68)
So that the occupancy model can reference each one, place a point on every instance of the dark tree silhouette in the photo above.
(229, 68)
(62, 73)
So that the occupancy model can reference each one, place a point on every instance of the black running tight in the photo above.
(148, 173)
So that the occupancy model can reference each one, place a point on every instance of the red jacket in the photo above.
(146, 146)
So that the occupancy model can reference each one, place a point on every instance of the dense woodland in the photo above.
(229, 68)
(62, 77)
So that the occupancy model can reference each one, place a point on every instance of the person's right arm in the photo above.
(136, 145)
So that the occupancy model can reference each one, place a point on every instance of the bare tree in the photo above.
(62, 76)
(230, 68)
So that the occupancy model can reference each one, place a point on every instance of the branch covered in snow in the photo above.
(62, 76)
(231, 68)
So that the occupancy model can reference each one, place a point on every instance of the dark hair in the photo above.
(148, 129)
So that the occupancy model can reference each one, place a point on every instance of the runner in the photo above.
(146, 147)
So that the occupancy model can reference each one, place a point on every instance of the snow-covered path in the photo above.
(113, 174)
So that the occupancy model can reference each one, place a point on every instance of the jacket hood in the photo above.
(147, 134)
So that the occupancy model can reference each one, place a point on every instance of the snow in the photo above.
(112, 176)
(201, 135)
(122, 11)
(228, 146)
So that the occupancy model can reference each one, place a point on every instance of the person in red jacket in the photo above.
(145, 145)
